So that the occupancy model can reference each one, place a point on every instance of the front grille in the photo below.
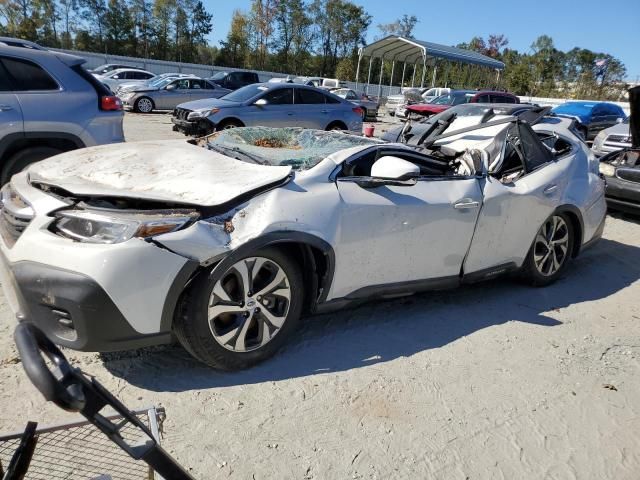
(181, 113)
(15, 215)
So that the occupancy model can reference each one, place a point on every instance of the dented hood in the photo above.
(171, 170)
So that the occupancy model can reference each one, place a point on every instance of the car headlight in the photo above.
(202, 113)
(102, 227)
(607, 169)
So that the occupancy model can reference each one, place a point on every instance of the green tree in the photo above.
(235, 49)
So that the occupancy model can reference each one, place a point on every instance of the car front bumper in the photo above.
(199, 127)
(93, 297)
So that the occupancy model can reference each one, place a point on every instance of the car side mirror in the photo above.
(619, 120)
(394, 168)
(171, 87)
(115, 76)
(261, 102)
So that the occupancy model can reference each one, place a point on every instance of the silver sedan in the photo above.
(166, 95)
(269, 105)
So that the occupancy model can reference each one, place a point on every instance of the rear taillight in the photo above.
(110, 103)
(358, 110)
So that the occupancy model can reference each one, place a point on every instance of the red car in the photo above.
(457, 97)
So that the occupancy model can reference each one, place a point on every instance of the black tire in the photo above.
(193, 331)
(531, 272)
(141, 105)
(22, 159)
(336, 126)
(227, 124)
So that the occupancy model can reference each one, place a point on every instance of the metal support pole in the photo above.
(358, 68)
(435, 71)
(446, 74)
(380, 79)
(413, 78)
(424, 69)
(393, 67)
(368, 76)
(498, 79)
(404, 68)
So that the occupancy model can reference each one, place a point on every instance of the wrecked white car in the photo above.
(224, 244)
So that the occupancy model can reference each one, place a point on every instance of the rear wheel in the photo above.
(144, 105)
(551, 250)
(236, 318)
(22, 159)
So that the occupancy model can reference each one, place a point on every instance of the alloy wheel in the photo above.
(551, 246)
(145, 105)
(249, 304)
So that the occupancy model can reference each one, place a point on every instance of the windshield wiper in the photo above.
(236, 153)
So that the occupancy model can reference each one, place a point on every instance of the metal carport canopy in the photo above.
(401, 49)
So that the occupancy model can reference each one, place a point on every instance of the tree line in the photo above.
(298, 37)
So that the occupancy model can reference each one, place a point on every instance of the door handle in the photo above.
(5, 108)
(325, 111)
(550, 189)
(465, 204)
(289, 113)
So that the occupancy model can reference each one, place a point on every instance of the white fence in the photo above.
(163, 66)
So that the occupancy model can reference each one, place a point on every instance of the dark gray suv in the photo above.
(50, 104)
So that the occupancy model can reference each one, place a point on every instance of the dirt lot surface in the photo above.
(496, 380)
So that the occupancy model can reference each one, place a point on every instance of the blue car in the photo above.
(591, 117)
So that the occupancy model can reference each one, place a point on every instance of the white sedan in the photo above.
(226, 242)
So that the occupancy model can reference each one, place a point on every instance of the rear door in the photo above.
(202, 89)
(46, 105)
(513, 210)
(310, 108)
(10, 112)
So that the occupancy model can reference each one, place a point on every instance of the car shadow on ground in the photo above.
(384, 331)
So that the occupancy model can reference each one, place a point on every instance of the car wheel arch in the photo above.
(315, 256)
(228, 120)
(577, 224)
(336, 123)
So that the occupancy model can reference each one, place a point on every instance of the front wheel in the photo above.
(551, 250)
(144, 105)
(242, 315)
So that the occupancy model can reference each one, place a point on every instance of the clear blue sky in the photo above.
(611, 27)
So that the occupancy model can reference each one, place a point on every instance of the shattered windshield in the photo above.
(296, 147)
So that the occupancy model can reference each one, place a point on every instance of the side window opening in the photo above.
(534, 153)
(429, 167)
(27, 76)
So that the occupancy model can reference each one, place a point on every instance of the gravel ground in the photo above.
(495, 380)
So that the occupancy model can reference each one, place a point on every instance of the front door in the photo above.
(175, 93)
(399, 236)
(277, 112)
